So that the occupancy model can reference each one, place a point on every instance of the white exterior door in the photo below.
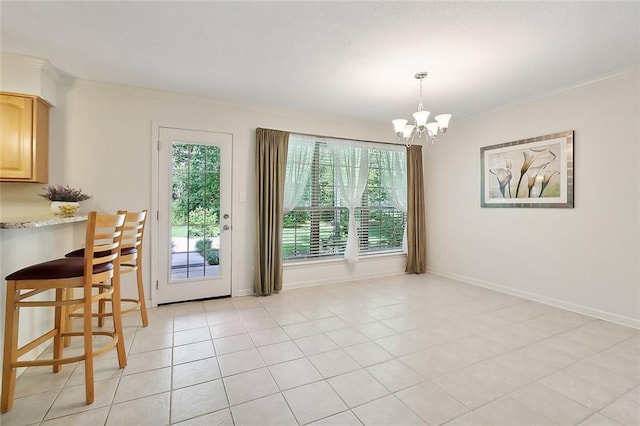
(194, 215)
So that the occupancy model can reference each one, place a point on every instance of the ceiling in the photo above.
(353, 59)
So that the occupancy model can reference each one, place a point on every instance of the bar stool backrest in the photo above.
(102, 245)
(133, 234)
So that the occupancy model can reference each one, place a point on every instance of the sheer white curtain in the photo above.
(299, 159)
(351, 168)
(394, 176)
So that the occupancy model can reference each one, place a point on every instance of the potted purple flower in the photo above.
(64, 199)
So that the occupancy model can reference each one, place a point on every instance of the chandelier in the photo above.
(433, 132)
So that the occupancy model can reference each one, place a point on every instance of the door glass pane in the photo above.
(195, 211)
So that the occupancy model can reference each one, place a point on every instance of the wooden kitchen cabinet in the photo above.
(24, 138)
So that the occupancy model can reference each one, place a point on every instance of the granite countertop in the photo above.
(38, 221)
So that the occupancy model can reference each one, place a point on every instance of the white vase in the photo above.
(69, 208)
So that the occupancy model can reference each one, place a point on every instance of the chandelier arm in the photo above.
(438, 138)
(409, 141)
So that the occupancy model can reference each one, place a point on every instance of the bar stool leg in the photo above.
(116, 308)
(101, 309)
(59, 326)
(66, 318)
(12, 317)
(88, 344)
(141, 298)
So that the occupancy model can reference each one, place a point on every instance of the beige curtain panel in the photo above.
(271, 164)
(416, 224)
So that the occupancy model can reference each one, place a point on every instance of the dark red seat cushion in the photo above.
(126, 251)
(68, 267)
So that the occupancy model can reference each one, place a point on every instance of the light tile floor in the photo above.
(392, 351)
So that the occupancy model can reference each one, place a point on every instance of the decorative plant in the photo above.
(210, 254)
(64, 193)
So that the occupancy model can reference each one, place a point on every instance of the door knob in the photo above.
(226, 227)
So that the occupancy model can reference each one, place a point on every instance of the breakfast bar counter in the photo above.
(39, 221)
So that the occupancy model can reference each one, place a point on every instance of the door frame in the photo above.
(154, 251)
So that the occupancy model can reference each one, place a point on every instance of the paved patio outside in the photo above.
(186, 262)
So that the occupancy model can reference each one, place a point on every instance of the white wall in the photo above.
(586, 258)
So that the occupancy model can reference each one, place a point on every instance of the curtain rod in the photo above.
(333, 137)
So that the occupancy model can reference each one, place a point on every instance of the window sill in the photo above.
(305, 263)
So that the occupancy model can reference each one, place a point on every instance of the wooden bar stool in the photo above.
(104, 235)
(130, 261)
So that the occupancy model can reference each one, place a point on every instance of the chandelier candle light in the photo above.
(433, 132)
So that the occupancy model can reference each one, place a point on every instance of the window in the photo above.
(321, 178)
(195, 210)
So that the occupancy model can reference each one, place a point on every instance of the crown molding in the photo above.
(620, 72)
(70, 81)
(39, 64)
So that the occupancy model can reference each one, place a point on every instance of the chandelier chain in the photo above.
(420, 106)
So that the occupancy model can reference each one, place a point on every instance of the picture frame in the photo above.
(535, 172)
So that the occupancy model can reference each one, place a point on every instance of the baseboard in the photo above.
(243, 292)
(579, 309)
(324, 281)
(315, 283)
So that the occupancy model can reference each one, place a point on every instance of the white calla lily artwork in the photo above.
(535, 172)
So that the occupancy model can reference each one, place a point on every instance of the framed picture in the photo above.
(535, 172)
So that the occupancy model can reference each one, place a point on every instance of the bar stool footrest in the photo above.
(68, 360)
